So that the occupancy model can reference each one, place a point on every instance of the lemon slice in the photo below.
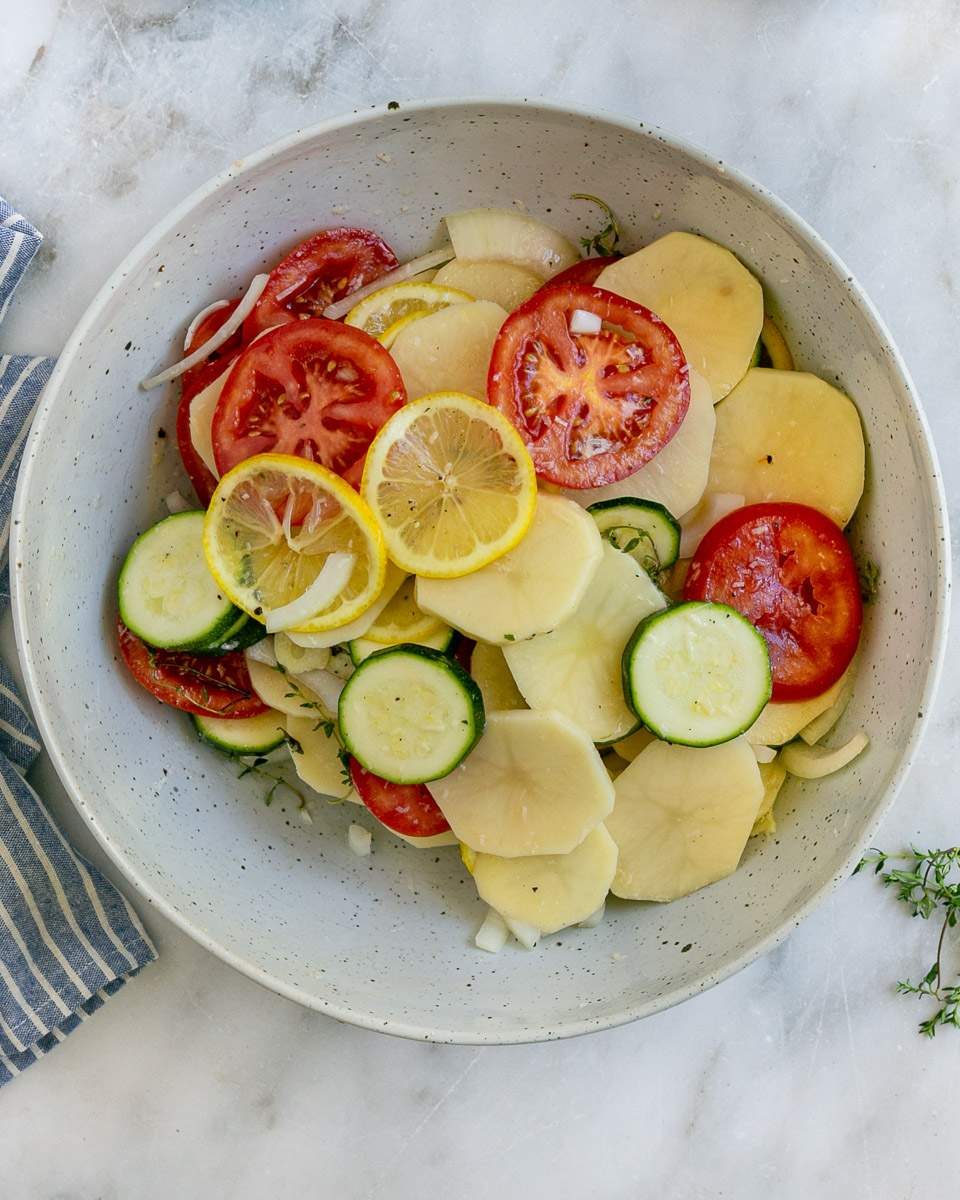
(403, 620)
(451, 485)
(273, 523)
(384, 313)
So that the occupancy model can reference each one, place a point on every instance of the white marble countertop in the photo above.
(802, 1075)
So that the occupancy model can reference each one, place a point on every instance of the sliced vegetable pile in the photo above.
(476, 547)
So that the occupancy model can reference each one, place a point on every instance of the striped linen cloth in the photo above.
(68, 938)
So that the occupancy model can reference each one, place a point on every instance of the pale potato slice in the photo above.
(449, 350)
(504, 283)
(782, 720)
(532, 588)
(502, 233)
(707, 297)
(677, 476)
(318, 765)
(202, 408)
(492, 676)
(787, 435)
(682, 818)
(549, 891)
(576, 668)
(773, 775)
(285, 694)
(533, 784)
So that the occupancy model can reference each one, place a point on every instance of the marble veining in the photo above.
(802, 1073)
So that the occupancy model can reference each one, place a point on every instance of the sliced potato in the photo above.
(773, 775)
(682, 818)
(677, 476)
(319, 764)
(533, 784)
(287, 695)
(707, 297)
(576, 668)
(633, 745)
(816, 762)
(502, 233)
(449, 350)
(782, 720)
(504, 283)
(787, 435)
(549, 891)
(492, 676)
(532, 588)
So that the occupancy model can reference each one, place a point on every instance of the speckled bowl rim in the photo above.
(912, 412)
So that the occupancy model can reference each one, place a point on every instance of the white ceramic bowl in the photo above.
(384, 941)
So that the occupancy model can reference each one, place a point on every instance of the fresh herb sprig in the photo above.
(929, 884)
(868, 575)
(606, 243)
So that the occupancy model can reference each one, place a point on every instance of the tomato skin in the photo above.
(192, 384)
(591, 408)
(316, 389)
(326, 267)
(208, 685)
(586, 271)
(789, 570)
(408, 809)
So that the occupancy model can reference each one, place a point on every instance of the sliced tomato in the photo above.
(192, 384)
(209, 685)
(788, 569)
(405, 808)
(585, 271)
(317, 389)
(592, 408)
(326, 267)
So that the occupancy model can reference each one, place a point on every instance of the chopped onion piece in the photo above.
(434, 258)
(223, 334)
(201, 316)
(594, 919)
(698, 521)
(584, 321)
(820, 726)
(526, 935)
(765, 754)
(333, 578)
(359, 840)
(354, 629)
(262, 652)
(326, 686)
(176, 503)
(816, 762)
(492, 934)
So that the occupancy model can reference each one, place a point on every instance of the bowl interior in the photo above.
(385, 941)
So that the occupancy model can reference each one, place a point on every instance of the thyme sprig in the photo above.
(606, 243)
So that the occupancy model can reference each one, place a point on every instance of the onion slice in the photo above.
(176, 503)
(584, 321)
(355, 628)
(223, 334)
(262, 652)
(492, 934)
(764, 754)
(333, 578)
(425, 262)
(325, 685)
(202, 316)
(526, 935)
(816, 762)
(359, 840)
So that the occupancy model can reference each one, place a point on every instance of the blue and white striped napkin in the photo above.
(68, 938)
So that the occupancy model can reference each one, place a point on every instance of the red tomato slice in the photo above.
(405, 808)
(192, 384)
(326, 267)
(789, 570)
(317, 389)
(209, 685)
(592, 408)
(585, 271)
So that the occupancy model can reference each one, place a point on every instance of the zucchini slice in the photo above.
(249, 735)
(166, 593)
(643, 529)
(697, 674)
(410, 714)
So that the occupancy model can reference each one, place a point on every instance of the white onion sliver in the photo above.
(354, 629)
(492, 934)
(697, 523)
(584, 321)
(594, 919)
(333, 578)
(434, 258)
(526, 935)
(325, 685)
(764, 754)
(202, 316)
(176, 503)
(262, 652)
(223, 334)
(816, 762)
(359, 840)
